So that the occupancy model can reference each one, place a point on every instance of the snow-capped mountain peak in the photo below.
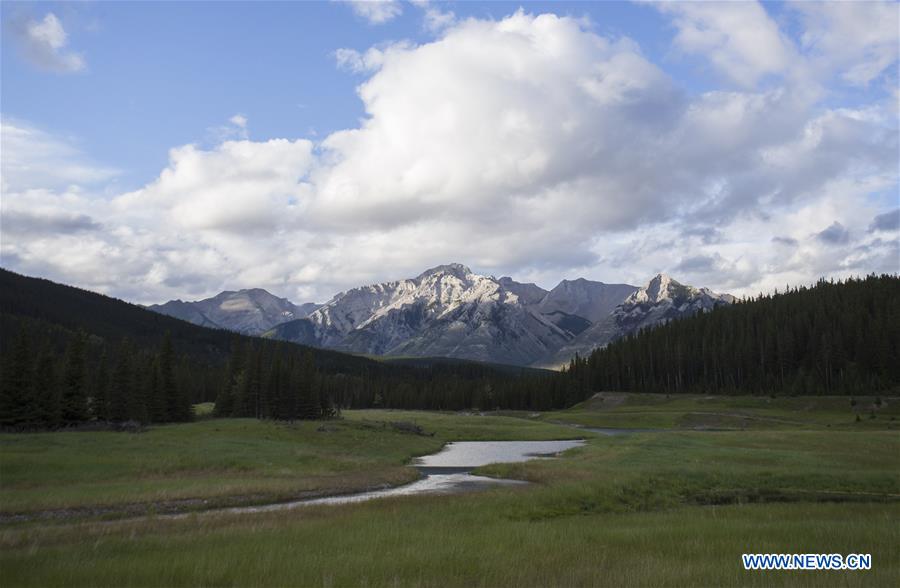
(662, 287)
(431, 295)
(661, 300)
(451, 311)
(456, 269)
(447, 310)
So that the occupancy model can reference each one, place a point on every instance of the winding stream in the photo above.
(445, 472)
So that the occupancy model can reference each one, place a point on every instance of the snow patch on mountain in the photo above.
(447, 310)
(661, 300)
(451, 311)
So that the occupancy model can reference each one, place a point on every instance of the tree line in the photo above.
(838, 337)
(273, 382)
(43, 389)
(54, 378)
(118, 361)
(70, 357)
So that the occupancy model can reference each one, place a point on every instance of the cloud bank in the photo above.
(530, 146)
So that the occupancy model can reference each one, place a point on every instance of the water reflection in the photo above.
(445, 472)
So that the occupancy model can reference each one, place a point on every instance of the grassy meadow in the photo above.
(674, 507)
(230, 461)
(691, 411)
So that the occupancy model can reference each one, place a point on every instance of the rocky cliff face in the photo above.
(445, 311)
(251, 312)
(450, 311)
(660, 301)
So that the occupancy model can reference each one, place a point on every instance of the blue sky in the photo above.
(161, 74)
(170, 148)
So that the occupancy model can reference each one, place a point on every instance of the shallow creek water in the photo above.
(445, 472)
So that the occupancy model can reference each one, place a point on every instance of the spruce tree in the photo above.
(308, 399)
(120, 389)
(249, 396)
(100, 396)
(138, 401)
(74, 407)
(168, 383)
(46, 390)
(17, 407)
(184, 411)
(226, 399)
(289, 404)
(157, 403)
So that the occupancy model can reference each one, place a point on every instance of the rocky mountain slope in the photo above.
(251, 312)
(450, 311)
(575, 305)
(446, 311)
(660, 301)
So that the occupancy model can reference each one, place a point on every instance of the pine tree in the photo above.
(121, 386)
(226, 399)
(138, 400)
(308, 399)
(46, 391)
(289, 407)
(158, 406)
(184, 410)
(271, 397)
(100, 397)
(17, 407)
(168, 384)
(74, 407)
(249, 395)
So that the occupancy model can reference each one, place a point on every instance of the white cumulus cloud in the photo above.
(528, 146)
(858, 39)
(739, 38)
(366, 61)
(376, 11)
(238, 186)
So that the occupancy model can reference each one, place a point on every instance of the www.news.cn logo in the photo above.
(807, 561)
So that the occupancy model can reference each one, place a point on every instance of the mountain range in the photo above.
(449, 311)
(251, 312)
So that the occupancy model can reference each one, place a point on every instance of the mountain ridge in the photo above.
(450, 311)
(250, 311)
(661, 300)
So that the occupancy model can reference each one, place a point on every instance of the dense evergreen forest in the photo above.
(71, 357)
(832, 338)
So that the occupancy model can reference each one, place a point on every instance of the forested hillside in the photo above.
(70, 356)
(832, 338)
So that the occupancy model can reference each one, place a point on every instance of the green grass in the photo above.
(661, 470)
(231, 461)
(461, 542)
(658, 508)
(451, 426)
(628, 410)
